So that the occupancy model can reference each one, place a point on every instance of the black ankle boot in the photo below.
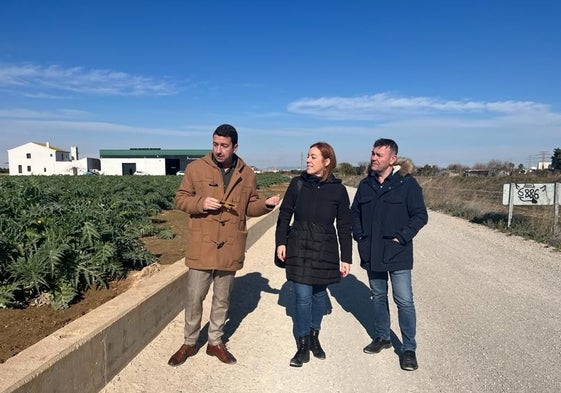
(303, 354)
(315, 346)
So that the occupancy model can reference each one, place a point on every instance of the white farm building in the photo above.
(44, 159)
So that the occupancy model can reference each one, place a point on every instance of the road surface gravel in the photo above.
(488, 310)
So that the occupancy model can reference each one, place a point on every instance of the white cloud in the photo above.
(98, 128)
(42, 95)
(435, 130)
(23, 113)
(383, 106)
(35, 80)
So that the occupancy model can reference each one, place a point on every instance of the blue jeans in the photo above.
(403, 298)
(311, 306)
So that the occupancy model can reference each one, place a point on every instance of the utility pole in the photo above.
(543, 153)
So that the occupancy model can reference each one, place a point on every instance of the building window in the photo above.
(28, 155)
(20, 169)
(29, 168)
(45, 170)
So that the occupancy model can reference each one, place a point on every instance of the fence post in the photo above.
(510, 203)
(556, 202)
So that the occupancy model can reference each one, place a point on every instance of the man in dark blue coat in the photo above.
(388, 211)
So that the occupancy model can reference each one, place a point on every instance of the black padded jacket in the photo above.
(320, 233)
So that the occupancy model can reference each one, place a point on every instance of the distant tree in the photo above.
(458, 168)
(520, 167)
(362, 168)
(496, 166)
(556, 159)
(346, 169)
(427, 170)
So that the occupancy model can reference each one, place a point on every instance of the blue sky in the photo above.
(451, 81)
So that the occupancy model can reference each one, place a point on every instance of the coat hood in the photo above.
(403, 167)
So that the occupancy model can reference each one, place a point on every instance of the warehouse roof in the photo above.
(152, 152)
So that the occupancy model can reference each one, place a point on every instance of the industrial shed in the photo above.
(147, 161)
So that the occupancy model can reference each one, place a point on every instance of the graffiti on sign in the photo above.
(529, 194)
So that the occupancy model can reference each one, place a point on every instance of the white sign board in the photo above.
(529, 194)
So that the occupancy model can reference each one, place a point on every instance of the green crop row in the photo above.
(61, 235)
(267, 179)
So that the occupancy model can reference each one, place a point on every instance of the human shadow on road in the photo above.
(244, 300)
(286, 300)
(355, 297)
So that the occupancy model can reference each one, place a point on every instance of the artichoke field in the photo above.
(61, 235)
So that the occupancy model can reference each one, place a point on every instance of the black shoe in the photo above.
(377, 345)
(409, 361)
(315, 346)
(303, 354)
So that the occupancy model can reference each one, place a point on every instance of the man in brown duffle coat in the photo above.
(219, 191)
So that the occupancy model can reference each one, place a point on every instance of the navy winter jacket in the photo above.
(382, 212)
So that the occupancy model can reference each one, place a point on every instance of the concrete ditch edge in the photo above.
(88, 352)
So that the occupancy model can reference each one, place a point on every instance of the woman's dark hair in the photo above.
(226, 130)
(326, 152)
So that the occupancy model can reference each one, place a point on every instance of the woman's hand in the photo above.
(345, 269)
(281, 252)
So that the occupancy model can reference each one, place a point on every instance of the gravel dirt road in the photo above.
(488, 309)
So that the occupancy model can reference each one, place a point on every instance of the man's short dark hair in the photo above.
(387, 142)
(226, 130)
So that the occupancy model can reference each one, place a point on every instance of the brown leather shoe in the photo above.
(182, 354)
(221, 353)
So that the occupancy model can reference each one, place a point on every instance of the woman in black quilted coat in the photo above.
(317, 248)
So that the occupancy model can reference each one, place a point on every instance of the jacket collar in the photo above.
(237, 163)
(315, 180)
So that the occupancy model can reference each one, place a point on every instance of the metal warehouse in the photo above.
(147, 161)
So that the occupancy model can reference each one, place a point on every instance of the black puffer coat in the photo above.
(312, 244)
